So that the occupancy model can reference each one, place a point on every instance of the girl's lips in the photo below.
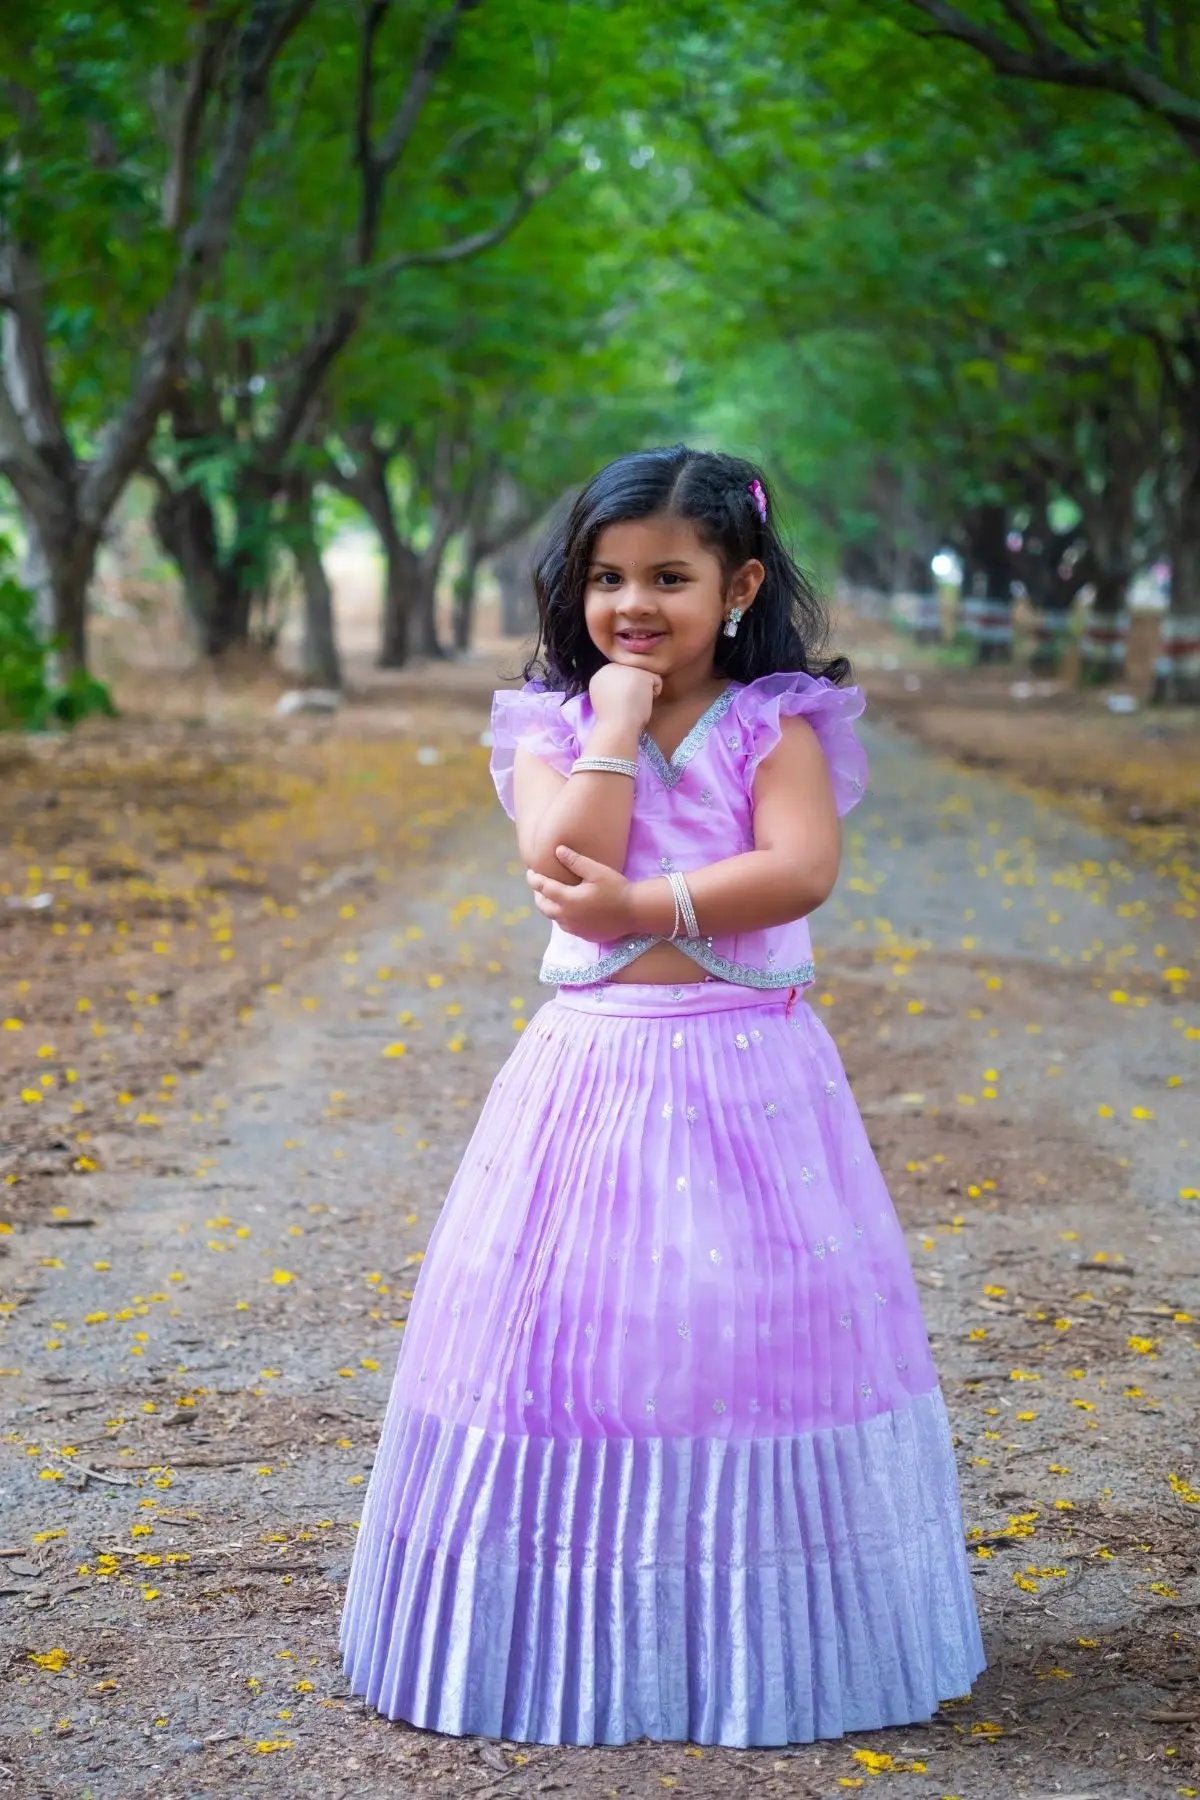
(639, 640)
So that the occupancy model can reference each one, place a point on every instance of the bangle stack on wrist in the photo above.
(606, 765)
(685, 912)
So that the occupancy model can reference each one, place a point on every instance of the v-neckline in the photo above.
(670, 768)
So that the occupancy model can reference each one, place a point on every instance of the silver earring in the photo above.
(733, 621)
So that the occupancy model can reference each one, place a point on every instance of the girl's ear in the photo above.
(745, 583)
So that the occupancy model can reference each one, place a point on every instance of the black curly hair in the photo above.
(785, 629)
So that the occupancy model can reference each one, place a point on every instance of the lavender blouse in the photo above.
(692, 809)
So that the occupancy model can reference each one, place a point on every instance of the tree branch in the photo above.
(1150, 36)
(461, 248)
(268, 28)
(1060, 68)
(1071, 19)
(26, 366)
(1021, 16)
(20, 462)
(325, 343)
(370, 183)
(198, 85)
(331, 335)
(376, 164)
(435, 48)
(506, 531)
(746, 195)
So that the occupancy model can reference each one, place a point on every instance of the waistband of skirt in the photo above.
(647, 999)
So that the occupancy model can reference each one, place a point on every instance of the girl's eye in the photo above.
(609, 578)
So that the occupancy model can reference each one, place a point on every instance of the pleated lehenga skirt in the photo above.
(666, 1455)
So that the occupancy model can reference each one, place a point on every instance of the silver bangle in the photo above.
(691, 924)
(683, 907)
(606, 765)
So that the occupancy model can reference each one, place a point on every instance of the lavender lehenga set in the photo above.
(666, 1454)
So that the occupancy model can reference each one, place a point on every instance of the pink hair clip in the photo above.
(755, 491)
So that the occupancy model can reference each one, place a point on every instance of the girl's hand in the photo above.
(597, 906)
(622, 695)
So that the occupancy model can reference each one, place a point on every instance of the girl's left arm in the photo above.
(788, 874)
(794, 863)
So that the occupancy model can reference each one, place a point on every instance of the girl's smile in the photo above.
(639, 641)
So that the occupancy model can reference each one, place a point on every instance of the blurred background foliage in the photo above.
(280, 265)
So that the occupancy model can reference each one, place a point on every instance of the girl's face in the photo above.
(656, 597)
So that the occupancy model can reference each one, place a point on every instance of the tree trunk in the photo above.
(367, 483)
(229, 622)
(1052, 590)
(1048, 564)
(1110, 521)
(1105, 637)
(321, 662)
(915, 570)
(186, 529)
(425, 637)
(1177, 668)
(71, 572)
(466, 591)
(399, 596)
(864, 564)
(1050, 631)
(518, 607)
(987, 584)
(248, 566)
(60, 562)
(409, 612)
(221, 589)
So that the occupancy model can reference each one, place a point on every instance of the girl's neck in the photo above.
(690, 687)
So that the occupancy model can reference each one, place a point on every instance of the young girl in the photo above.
(666, 1454)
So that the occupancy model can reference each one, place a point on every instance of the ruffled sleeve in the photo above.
(533, 716)
(829, 709)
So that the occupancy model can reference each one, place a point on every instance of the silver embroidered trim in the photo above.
(744, 974)
(670, 771)
(741, 974)
(597, 971)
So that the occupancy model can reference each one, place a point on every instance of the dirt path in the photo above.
(194, 1380)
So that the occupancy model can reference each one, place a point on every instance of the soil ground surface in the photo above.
(1136, 772)
(265, 974)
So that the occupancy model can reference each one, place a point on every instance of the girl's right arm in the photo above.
(592, 810)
